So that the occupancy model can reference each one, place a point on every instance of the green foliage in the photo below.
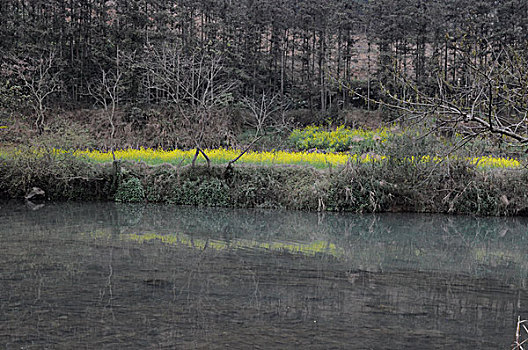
(130, 191)
(212, 192)
(12, 95)
(339, 140)
(254, 189)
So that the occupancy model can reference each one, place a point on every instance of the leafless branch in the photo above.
(41, 80)
(264, 111)
(192, 83)
(492, 98)
(106, 92)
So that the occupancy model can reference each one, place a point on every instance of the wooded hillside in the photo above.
(218, 52)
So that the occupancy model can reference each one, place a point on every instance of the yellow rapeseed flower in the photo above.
(316, 159)
(223, 156)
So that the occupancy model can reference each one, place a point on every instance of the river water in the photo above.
(109, 276)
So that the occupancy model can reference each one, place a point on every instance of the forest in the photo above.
(315, 55)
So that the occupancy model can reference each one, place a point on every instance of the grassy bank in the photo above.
(414, 183)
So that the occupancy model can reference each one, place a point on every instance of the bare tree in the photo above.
(521, 335)
(490, 96)
(106, 91)
(41, 79)
(193, 84)
(265, 111)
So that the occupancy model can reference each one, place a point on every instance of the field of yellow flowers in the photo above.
(220, 156)
(317, 148)
(316, 159)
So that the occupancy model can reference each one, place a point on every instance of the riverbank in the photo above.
(393, 185)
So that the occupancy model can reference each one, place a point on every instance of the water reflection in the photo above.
(122, 276)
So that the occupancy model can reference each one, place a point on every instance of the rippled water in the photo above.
(101, 275)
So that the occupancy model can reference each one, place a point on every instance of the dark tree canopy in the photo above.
(300, 50)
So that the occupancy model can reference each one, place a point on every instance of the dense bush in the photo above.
(130, 191)
(339, 140)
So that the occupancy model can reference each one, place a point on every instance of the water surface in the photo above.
(102, 275)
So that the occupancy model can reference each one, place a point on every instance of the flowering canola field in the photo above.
(223, 156)
(317, 147)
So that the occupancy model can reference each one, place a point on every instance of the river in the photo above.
(112, 276)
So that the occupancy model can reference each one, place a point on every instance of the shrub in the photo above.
(130, 191)
(339, 140)
(212, 192)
